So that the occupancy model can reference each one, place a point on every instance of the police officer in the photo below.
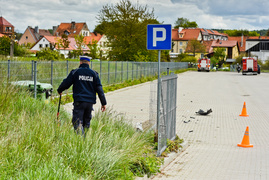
(86, 84)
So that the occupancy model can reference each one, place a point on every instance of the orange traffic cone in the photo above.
(245, 141)
(244, 111)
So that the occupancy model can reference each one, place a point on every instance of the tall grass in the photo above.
(33, 146)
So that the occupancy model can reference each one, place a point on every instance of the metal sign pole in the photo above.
(158, 91)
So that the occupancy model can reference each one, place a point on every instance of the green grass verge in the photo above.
(33, 146)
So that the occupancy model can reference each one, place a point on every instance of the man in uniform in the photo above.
(86, 84)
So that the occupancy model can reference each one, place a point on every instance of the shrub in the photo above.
(48, 54)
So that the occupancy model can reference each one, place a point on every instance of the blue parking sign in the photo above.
(159, 37)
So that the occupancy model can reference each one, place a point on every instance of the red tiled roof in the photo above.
(68, 26)
(208, 46)
(4, 22)
(188, 34)
(220, 43)
(242, 47)
(44, 32)
(93, 36)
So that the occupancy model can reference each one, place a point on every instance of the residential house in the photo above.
(241, 42)
(72, 29)
(209, 35)
(231, 49)
(180, 38)
(102, 43)
(51, 41)
(32, 35)
(5, 27)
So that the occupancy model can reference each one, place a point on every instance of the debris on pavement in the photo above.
(139, 126)
(201, 112)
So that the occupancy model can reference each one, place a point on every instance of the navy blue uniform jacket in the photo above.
(86, 84)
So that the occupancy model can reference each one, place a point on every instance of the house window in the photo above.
(180, 51)
(47, 45)
(40, 45)
(7, 29)
(43, 40)
(180, 43)
(26, 37)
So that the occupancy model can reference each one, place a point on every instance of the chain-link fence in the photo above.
(110, 72)
(166, 125)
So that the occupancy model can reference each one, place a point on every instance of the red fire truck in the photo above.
(250, 65)
(203, 64)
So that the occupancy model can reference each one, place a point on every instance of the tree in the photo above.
(185, 23)
(93, 49)
(80, 43)
(4, 45)
(267, 33)
(64, 41)
(100, 28)
(195, 46)
(241, 32)
(219, 55)
(125, 26)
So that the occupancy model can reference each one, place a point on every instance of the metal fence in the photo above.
(110, 72)
(166, 126)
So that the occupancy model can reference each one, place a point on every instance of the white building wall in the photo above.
(262, 55)
(250, 44)
(43, 43)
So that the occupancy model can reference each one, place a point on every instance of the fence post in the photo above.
(8, 69)
(35, 78)
(32, 70)
(108, 72)
(127, 70)
(121, 71)
(132, 70)
(67, 68)
(116, 71)
(136, 71)
(168, 72)
(51, 75)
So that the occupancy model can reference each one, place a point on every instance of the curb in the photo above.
(173, 155)
(167, 160)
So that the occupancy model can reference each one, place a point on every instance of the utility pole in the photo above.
(12, 38)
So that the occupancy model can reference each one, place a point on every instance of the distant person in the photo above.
(238, 68)
(86, 84)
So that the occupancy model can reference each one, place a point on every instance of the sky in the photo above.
(209, 14)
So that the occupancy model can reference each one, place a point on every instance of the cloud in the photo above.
(71, 2)
(247, 14)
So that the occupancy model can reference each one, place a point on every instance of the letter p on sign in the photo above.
(159, 37)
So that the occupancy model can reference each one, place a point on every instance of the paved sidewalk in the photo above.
(212, 152)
